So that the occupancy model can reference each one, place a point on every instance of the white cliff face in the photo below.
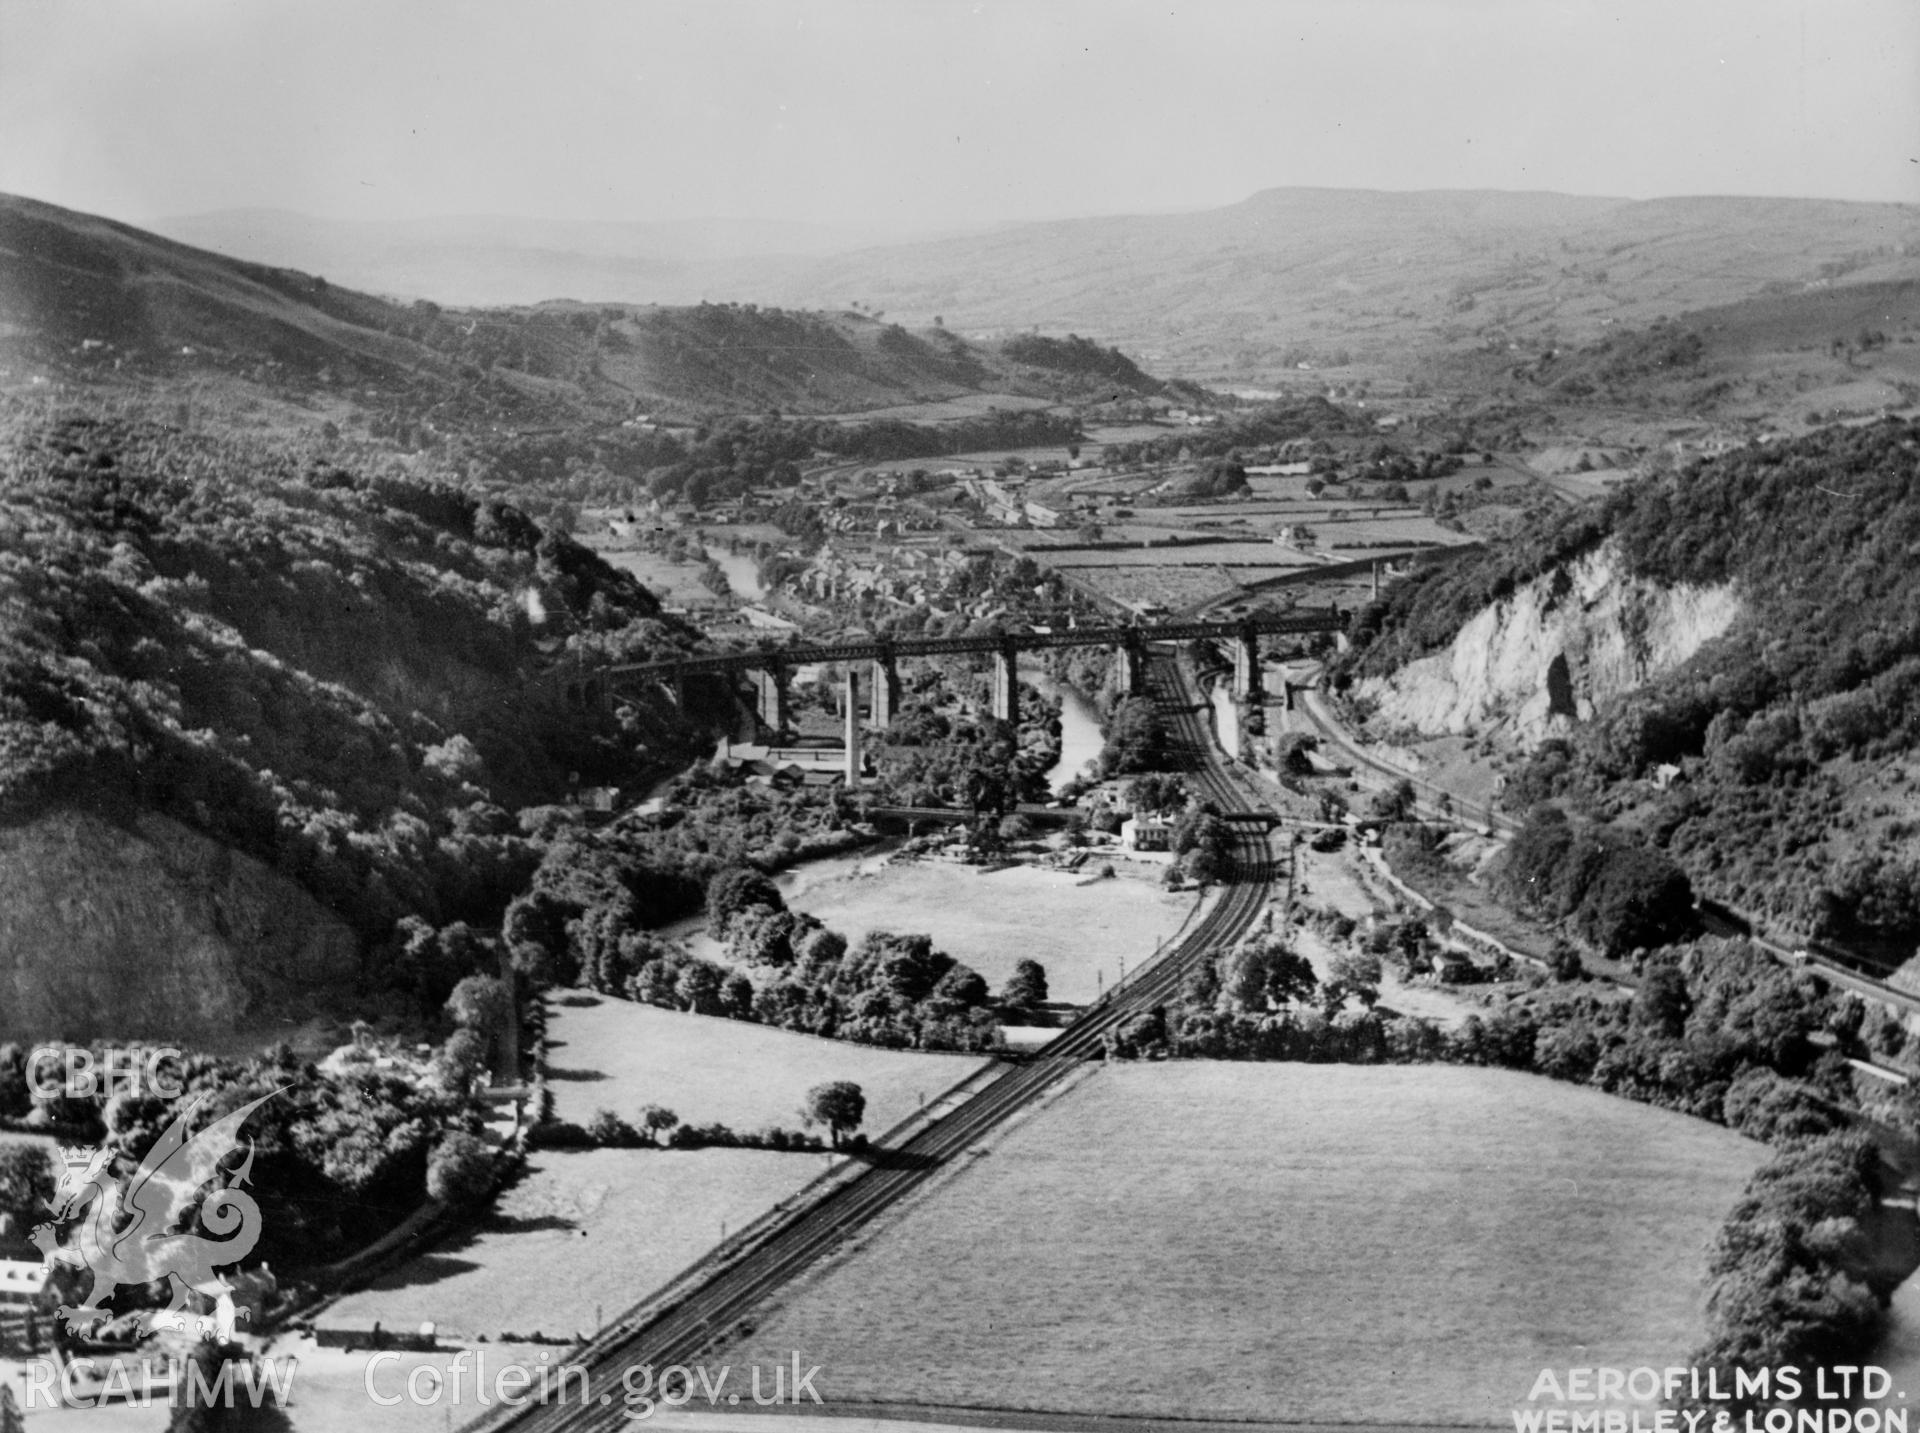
(1533, 663)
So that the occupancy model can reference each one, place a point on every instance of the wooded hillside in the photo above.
(341, 673)
(1795, 732)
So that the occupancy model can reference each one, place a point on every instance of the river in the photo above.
(742, 574)
(1080, 739)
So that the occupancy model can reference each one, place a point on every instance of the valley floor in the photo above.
(619, 1055)
(1081, 933)
(1402, 1245)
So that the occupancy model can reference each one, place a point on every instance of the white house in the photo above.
(1146, 832)
(25, 1284)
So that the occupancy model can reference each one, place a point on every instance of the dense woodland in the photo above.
(344, 674)
(727, 458)
(336, 1153)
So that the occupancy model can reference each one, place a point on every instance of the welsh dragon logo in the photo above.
(125, 1230)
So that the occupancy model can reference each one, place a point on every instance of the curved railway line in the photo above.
(717, 1299)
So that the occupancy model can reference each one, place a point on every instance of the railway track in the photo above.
(662, 1335)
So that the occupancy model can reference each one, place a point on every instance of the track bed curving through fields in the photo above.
(712, 1299)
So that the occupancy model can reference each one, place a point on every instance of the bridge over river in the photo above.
(772, 666)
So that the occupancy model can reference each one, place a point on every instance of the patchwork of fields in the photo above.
(1281, 1242)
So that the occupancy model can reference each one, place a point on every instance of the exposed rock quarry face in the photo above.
(148, 929)
(1534, 663)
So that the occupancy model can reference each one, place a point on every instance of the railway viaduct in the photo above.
(771, 668)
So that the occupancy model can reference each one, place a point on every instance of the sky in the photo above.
(905, 116)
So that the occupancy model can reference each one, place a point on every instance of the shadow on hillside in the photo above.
(427, 1269)
(528, 1224)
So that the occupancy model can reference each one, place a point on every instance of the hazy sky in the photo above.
(910, 114)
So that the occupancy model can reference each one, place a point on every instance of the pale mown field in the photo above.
(582, 1231)
(1080, 933)
(617, 1055)
(671, 582)
(1281, 1242)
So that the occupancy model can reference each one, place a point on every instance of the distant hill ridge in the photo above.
(1286, 275)
(91, 297)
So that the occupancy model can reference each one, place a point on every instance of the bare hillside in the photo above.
(89, 299)
(1332, 277)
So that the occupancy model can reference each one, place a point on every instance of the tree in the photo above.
(535, 930)
(760, 935)
(961, 988)
(1396, 804)
(1262, 974)
(460, 1172)
(699, 987)
(1205, 865)
(15, 1097)
(481, 1003)
(26, 1184)
(1026, 988)
(736, 997)
(1662, 1004)
(203, 1367)
(840, 1105)
(657, 1122)
(1291, 755)
(1355, 973)
(1564, 963)
(819, 952)
(1136, 739)
(734, 890)
(1207, 843)
(608, 1129)
(463, 1056)
(904, 965)
(1156, 792)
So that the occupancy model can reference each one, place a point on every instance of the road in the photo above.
(1431, 799)
(712, 1306)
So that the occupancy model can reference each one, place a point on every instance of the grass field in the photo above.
(330, 1389)
(967, 405)
(748, 532)
(617, 1055)
(675, 583)
(1171, 587)
(1202, 555)
(582, 1230)
(1079, 933)
(1283, 1242)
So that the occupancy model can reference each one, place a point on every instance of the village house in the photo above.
(1146, 832)
(25, 1284)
